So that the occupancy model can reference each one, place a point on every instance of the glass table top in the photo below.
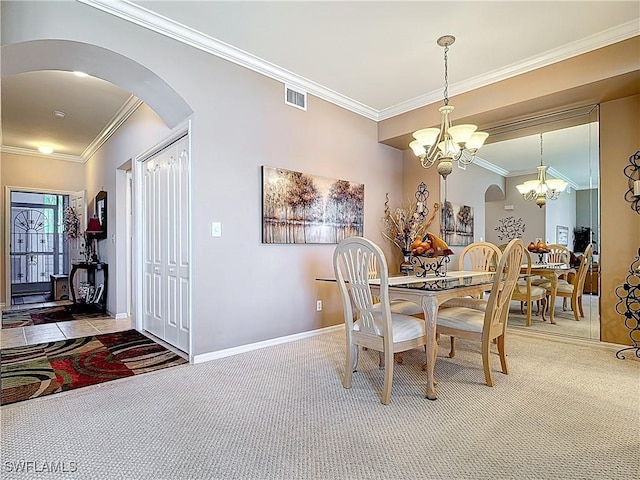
(452, 280)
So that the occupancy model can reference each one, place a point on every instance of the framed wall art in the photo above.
(562, 235)
(457, 224)
(302, 208)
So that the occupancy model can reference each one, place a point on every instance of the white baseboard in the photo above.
(120, 316)
(205, 357)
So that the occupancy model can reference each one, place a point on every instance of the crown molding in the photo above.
(35, 153)
(579, 47)
(152, 21)
(556, 174)
(490, 166)
(121, 116)
(550, 171)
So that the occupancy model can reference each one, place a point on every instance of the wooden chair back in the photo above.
(526, 292)
(352, 261)
(507, 272)
(559, 254)
(480, 256)
(581, 275)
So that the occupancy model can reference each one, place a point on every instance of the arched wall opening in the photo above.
(163, 102)
(101, 63)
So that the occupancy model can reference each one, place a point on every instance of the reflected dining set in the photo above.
(391, 314)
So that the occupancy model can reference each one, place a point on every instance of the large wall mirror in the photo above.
(568, 144)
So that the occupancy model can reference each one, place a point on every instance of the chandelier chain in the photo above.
(446, 76)
(541, 149)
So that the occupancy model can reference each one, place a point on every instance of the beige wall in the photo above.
(35, 173)
(620, 225)
(239, 124)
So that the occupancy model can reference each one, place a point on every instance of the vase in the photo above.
(406, 267)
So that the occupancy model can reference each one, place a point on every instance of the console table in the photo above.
(91, 269)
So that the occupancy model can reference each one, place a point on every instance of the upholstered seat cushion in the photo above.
(563, 287)
(535, 289)
(461, 318)
(468, 302)
(403, 307)
(404, 326)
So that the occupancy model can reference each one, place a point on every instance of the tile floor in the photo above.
(52, 332)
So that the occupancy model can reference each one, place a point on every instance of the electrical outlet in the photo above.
(319, 306)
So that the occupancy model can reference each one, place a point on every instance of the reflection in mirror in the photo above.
(571, 153)
(101, 212)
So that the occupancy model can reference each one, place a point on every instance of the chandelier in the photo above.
(541, 189)
(447, 143)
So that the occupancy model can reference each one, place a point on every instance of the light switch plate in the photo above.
(216, 229)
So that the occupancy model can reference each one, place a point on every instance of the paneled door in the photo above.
(165, 244)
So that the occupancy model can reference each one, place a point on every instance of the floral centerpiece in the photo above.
(406, 224)
(71, 223)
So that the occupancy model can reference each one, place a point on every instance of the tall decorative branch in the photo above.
(408, 222)
(629, 306)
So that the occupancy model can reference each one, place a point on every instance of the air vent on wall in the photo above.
(295, 98)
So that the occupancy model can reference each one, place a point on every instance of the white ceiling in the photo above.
(381, 57)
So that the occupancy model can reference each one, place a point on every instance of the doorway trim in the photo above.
(137, 228)
(9, 189)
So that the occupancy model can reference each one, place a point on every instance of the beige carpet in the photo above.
(565, 411)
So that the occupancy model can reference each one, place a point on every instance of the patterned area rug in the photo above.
(38, 316)
(37, 370)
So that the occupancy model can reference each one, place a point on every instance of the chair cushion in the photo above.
(405, 307)
(404, 327)
(536, 290)
(563, 287)
(461, 318)
(468, 302)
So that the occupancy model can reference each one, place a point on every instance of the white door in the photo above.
(165, 249)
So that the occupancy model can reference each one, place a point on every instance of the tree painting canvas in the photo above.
(457, 224)
(302, 208)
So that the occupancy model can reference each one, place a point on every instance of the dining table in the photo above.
(430, 291)
(552, 271)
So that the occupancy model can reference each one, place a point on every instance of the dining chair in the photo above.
(527, 293)
(557, 254)
(479, 257)
(476, 257)
(574, 289)
(489, 324)
(376, 328)
(405, 307)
